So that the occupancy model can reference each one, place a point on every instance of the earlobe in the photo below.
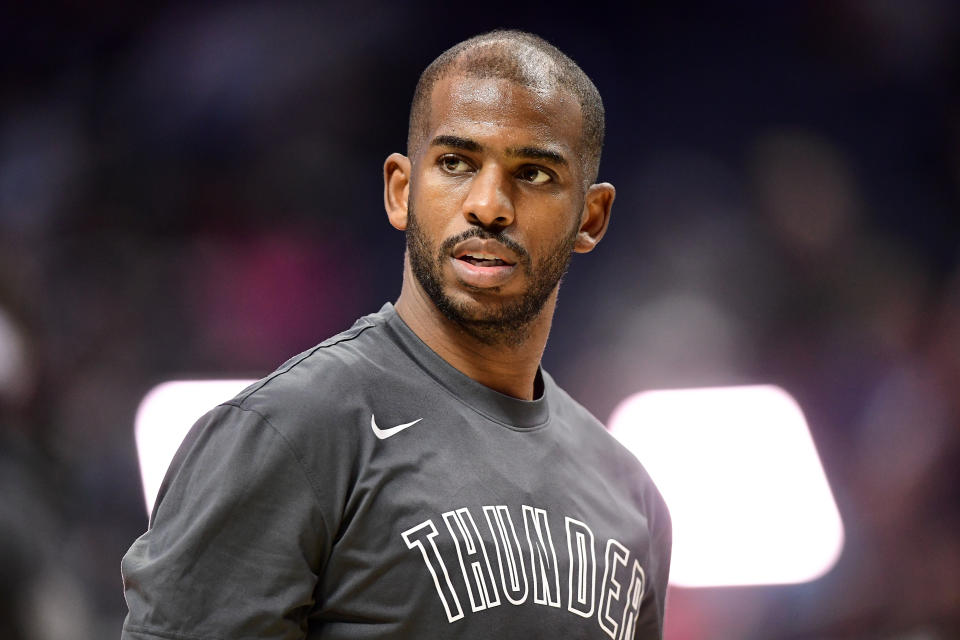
(396, 189)
(595, 216)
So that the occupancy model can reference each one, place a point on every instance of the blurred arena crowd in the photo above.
(196, 192)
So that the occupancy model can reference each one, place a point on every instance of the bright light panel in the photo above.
(165, 416)
(746, 490)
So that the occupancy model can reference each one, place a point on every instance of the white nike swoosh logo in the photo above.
(383, 434)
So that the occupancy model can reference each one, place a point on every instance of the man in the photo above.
(419, 475)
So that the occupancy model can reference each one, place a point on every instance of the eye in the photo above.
(534, 175)
(454, 164)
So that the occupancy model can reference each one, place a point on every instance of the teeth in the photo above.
(482, 256)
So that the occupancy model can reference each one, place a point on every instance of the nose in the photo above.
(489, 202)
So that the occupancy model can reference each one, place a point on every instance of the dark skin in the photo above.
(505, 158)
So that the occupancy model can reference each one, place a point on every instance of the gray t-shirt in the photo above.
(367, 489)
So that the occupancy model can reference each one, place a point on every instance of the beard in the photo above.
(504, 322)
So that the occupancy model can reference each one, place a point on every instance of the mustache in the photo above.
(479, 232)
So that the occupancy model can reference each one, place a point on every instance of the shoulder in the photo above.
(316, 404)
(588, 432)
(323, 381)
(591, 438)
(307, 414)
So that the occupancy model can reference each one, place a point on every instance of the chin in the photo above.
(473, 306)
(489, 306)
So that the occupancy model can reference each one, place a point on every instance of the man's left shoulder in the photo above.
(591, 438)
(581, 422)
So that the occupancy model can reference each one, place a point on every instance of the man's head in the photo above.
(495, 194)
(525, 59)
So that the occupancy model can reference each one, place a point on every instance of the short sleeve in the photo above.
(236, 541)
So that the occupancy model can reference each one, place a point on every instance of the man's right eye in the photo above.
(453, 164)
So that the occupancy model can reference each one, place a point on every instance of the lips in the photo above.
(481, 259)
(483, 263)
(480, 250)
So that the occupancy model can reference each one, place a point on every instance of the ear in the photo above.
(396, 189)
(595, 216)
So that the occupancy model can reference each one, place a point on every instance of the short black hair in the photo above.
(519, 57)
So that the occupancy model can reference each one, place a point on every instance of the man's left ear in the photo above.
(595, 216)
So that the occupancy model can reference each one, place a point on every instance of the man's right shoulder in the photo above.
(324, 382)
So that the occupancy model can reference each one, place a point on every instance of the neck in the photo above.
(510, 368)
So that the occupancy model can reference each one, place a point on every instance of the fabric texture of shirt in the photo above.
(368, 489)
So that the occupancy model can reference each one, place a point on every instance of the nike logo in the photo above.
(383, 434)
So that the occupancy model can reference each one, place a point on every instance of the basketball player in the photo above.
(420, 475)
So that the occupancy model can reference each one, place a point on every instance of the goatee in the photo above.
(508, 322)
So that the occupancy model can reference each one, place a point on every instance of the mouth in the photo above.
(483, 263)
(480, 259)
(484, 253)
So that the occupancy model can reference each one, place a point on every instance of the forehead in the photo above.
(500, 111)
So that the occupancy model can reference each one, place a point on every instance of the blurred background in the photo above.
(195, 190)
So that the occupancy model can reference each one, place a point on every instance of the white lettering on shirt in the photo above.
(493, 561)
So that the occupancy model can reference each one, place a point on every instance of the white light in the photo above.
(165, 416)
(740, 474)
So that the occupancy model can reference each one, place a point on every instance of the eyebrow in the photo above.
(456, 142)
(532, 153)
(537, 153)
